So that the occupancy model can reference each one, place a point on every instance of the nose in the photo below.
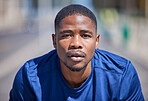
(76, 42)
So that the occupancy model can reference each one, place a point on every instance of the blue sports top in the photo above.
(112, 78)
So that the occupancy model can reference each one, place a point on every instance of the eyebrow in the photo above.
(81, 31)
(66, 31)
(86, 31)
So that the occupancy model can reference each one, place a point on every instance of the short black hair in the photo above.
(74, 9)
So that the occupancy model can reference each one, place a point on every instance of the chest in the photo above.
(99, 87)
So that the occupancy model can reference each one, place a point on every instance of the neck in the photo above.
(75, 79)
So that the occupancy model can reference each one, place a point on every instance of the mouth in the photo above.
(76, 56)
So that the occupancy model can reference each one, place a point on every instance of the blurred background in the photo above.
(26, 27)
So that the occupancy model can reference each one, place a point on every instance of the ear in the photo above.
(54, 40)
(97, 40)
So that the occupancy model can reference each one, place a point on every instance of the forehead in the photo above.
(77, 20)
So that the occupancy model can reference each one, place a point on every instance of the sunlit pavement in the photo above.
(33, 44)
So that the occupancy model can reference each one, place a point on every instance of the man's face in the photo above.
(76, 41)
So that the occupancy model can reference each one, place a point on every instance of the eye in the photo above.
(66, 36)
(86, 36)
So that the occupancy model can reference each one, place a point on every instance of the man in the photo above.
(76, 70)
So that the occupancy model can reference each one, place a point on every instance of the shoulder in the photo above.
(44, 58)
(109, 61)
(30, 68)
(27, 80)
(42, 64)
(122, 72)
(33, 65)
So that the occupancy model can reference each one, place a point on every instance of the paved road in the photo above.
(10, 43)
(6, 80)
(5, 85)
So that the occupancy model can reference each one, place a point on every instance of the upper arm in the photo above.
(21, 90)
(130, 89)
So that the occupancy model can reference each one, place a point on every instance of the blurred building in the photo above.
(125, 24)
(14, 14)
(9, 12)
(127, 6)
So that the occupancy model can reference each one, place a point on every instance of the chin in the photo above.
(76, 68)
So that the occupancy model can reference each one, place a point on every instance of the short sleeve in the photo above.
(130, 89)
(21, 90)
(17, 89)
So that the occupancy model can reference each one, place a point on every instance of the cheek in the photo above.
(62, 46)
(90, 45)
(90, 48)
(61, 50)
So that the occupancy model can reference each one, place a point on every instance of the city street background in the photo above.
(27, 25)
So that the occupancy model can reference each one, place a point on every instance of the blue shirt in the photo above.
(112, 78)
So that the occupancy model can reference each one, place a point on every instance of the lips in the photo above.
(76, 56)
